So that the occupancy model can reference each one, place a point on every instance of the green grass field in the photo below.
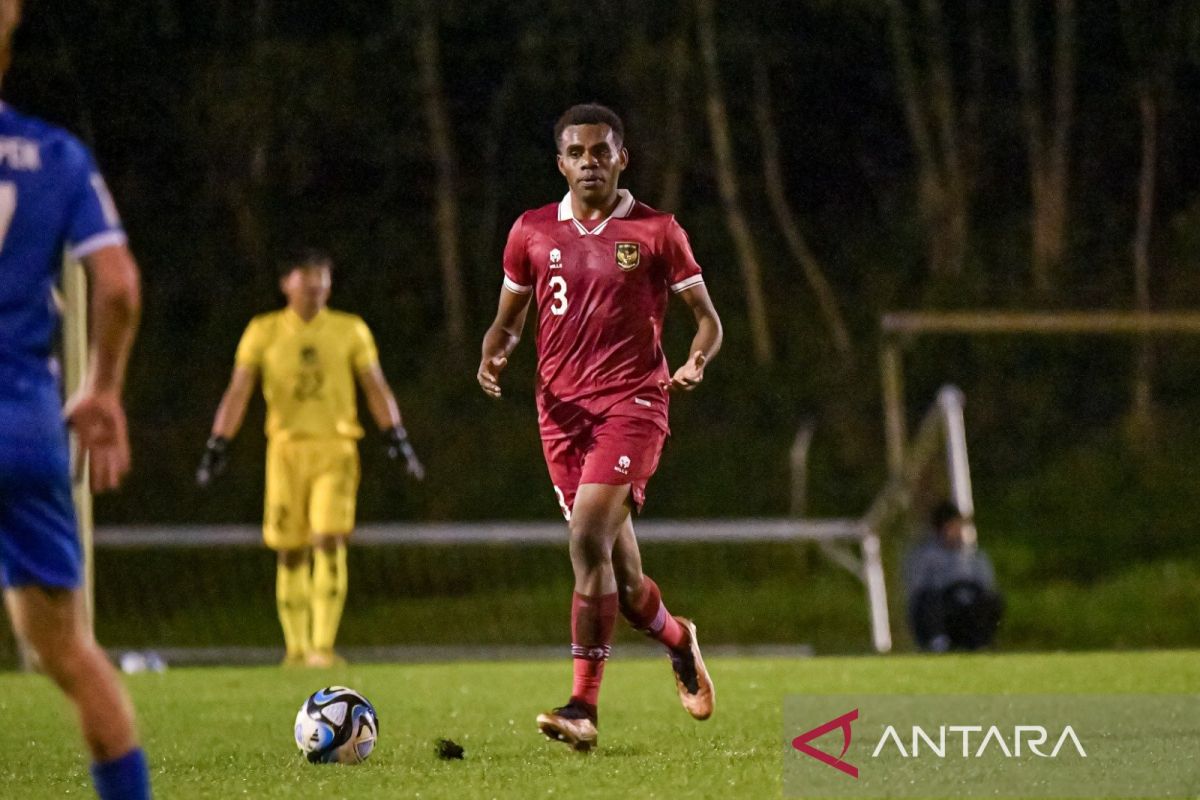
(226, 732)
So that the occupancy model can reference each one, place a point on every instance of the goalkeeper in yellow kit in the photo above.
(308, 357)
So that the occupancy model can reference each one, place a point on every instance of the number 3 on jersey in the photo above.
(558, 285)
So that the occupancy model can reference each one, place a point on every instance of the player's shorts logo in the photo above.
(622, 465)
(629, 255)
(555, 258)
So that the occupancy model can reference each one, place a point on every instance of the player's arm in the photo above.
(227, 422)
(96, 412)
(502, 338)
(386, 412)
(232, 410)
(705, 344)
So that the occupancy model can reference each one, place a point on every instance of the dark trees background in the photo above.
(908, 154)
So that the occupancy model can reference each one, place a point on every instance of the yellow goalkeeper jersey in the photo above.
(308, 371)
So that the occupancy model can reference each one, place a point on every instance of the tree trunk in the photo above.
(1143, 402)
(248, 229)
(441, 148)
(972, 107)
(1047, 141)
(739, 229)
(930, 112)
(262, 17)
(168, 19)
(785, 217)
(243, 194)
(955, 208)
(677, 139)
(484, 253)
(1060, 143)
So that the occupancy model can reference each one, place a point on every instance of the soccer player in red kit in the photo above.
(601, 266)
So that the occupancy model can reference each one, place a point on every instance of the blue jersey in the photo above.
(52, 199)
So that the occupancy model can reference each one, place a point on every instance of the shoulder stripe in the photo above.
(687, 283)
(98, 242)
(515, 287)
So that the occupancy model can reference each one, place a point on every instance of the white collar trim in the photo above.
(624, 209)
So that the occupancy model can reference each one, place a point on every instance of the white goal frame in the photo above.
(74, 357)
(901, 329)
(72, 301)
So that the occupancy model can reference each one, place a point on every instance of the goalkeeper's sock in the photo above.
(293, 591)
(330, 583)
(124, 778)
(650, 616)
(592, 621)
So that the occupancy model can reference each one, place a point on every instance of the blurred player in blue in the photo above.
(52, 198)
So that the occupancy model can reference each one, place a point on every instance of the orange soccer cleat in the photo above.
(570, 725)
(696, 691)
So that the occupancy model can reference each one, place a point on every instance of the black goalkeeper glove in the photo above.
(213, 462)
(396, 445)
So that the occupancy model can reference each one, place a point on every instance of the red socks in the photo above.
(592, 621)
(651, 617)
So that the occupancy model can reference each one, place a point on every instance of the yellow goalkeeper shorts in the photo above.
(312, 487)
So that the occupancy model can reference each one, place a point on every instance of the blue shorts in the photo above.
(39, 545)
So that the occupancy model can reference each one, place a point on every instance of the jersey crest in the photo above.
(629, 255)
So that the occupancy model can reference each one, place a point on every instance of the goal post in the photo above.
(74, 359)
(71, 299)
(942, 428)
(900, 330)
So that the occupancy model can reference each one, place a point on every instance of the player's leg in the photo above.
(53, 622)
(629, 447)
(293, 600)
(285, 530)
(573, 724)
(640, 598)
(330, 585)
(595, 515)
(595, 519)
(642, 605)
(40, 568)
(331, 513)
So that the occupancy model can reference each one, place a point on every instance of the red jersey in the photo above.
(601, 295)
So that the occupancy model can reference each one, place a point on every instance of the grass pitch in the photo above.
(226, 732)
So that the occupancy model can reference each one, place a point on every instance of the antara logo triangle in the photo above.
(801, 743)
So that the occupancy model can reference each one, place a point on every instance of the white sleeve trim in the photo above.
(687, 283)
(515, 287)
(98, 242)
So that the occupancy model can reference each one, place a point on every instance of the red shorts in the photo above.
(614, 450)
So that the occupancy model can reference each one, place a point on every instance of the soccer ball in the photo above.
(336, 725)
